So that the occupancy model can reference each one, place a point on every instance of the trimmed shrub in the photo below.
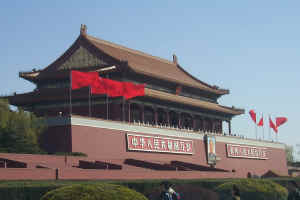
(34, 190)
(257, 189)
(93, 192)
(12, 190)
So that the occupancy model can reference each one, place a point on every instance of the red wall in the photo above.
(110, 145)
(57, 139)
(276, 162)
(134, 175)
(26, 174)
(90, 174)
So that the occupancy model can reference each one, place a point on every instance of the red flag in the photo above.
(178, 89)
(116, 88)
(83, 79)
(132, 90)
(272, 125)
(113, 88)
(261, 122)
(280, 121)
(253, 115)
(99, 87)
(106, 86)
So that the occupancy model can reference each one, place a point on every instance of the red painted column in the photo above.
(168, 117)
(142, 112)
(155, 115)
(179, 120)
(221, 126)
(129, 112)
(229, 127)
(194, 122)
(213, 125)
(204, 124)
(201, 124)
(123, 110)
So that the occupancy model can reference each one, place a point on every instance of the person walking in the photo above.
(169, 193)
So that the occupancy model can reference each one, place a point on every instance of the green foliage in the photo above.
(34, 190)
(102, 191)
(19, 130)
(4, 113)
(289, 151)
(257, 189)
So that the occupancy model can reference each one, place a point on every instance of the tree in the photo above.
(297, 152)
(19, 130)
(289, 150)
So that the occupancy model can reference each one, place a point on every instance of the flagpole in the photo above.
(123, 109)
(253, 116)
(70, 98)
(263, 128)
(129, 112)
(269, 128)
(70, 93)
(106, 102)
(89, 101)
(276, 136)
(255, 131)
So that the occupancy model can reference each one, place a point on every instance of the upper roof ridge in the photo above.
(128, 49)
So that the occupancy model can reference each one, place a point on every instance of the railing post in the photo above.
(56, 174)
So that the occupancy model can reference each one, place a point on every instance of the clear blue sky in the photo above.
(250, 47)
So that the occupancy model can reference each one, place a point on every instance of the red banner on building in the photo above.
(159, 144)
(239, 151)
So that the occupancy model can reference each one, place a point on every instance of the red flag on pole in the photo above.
(110, 87)
(132, 90)
(280, 121)
(261, 122)
(113, 88)
(99, 87)
(117, 88)
(253, 115)
(272, 125)
(83, 79)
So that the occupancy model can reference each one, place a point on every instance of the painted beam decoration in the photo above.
(159, 144)
(252, 152)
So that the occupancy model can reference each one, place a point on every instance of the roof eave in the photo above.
(30, 76)
(214, 89)
(193, 102)
(176, 81)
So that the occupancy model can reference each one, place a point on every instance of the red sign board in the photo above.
(159, 144)
(239, 151)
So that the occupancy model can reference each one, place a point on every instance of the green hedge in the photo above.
(257, 189)
(26, 190)
(34, 190)
(101, 191)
